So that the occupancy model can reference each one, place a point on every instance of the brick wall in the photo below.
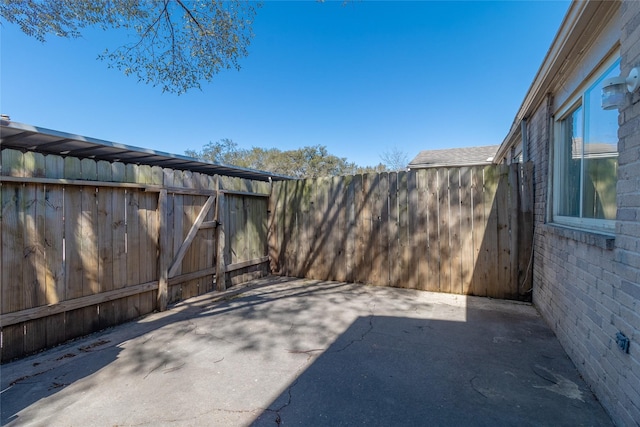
(587, 287)
(627, 252)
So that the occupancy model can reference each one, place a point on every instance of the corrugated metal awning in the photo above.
(31, 138)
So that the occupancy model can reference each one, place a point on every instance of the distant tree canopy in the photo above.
(177, 45)
(306, 162)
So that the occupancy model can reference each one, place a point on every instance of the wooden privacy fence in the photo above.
(88, 244)
(458, 230)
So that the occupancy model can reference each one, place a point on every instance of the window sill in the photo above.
(593, 238)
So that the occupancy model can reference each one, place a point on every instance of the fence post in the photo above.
(221, 250)
(514, 218)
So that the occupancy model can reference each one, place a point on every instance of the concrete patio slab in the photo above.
(283, 351)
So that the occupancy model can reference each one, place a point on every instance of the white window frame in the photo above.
(606, 226)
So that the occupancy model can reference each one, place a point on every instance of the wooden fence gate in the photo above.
(458, 230)
(87, 244)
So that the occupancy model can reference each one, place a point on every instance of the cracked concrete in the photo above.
(282, 351)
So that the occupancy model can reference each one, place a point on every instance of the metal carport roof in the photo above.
(26, 137)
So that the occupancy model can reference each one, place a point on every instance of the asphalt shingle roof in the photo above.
(465, 156)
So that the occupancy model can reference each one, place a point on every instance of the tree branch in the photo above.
(151, 26)
(193, 18)
(173, 36)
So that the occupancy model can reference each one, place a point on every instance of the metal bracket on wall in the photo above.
(622, 341)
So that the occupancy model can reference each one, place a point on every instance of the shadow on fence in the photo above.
(455, 230)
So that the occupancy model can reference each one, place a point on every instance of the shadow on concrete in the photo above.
(29, 380)
(490, 369)
(304, 352)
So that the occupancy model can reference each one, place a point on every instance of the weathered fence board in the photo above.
(11, 271)
(444, 229)
(53, 236)
(478, 283)
(455, 225)
(406, 223)
(350, 224)
(447, 229)
(466, 230)
(105, 240)
(395, 234)
(418, 228)
(119, 235)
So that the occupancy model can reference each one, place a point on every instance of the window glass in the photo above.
(586, 160)
(600, 156)
(569, 158)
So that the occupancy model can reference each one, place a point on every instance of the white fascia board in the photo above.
(571, 29)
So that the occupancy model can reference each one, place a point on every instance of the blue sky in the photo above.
(360, 78)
